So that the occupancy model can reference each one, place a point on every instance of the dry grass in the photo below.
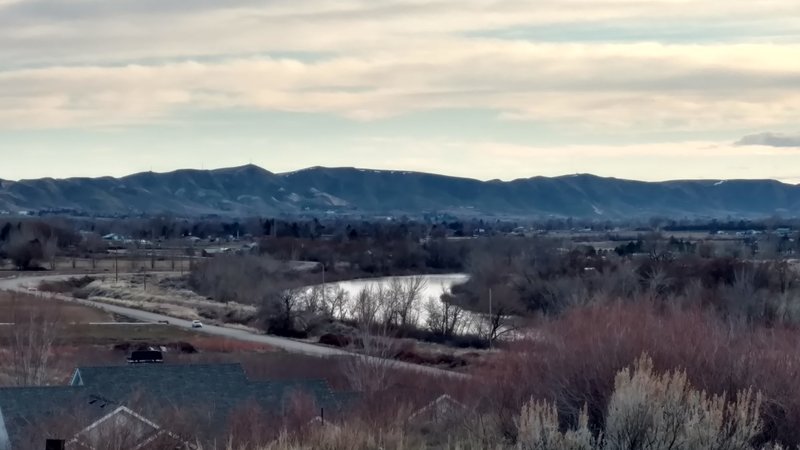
(107, 335)
(21, 305)
(110, 334)
(181, 303)
(224, 345)
(89, 345)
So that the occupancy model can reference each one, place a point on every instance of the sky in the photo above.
(488, 89)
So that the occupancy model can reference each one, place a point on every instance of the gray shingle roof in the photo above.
(214, 389)
(25, 408)
(159, 373)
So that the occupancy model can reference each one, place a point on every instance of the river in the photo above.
(433, 288)
(435, 285)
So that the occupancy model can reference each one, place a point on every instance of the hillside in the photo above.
(252, 190)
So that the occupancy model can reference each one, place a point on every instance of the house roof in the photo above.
(150, 389)
(441, 409)
(159, 374)
(138, 429)
(214, 389)
(23, 408)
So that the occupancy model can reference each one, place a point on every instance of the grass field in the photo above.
(14, 306)
(109, 335)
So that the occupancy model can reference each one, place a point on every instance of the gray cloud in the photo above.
(147, 61)
(770, 140)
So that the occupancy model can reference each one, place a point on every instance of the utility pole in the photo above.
(153, 249)
(116, 266)
(323, 285)
(491, 320)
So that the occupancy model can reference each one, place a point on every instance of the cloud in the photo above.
(37, 32)
(148, 61)
(770, 140)
(619, 86)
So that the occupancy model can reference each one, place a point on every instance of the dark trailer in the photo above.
(146, 357)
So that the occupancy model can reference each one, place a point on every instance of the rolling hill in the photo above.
(251, 190)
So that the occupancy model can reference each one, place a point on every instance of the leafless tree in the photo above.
(24, 250)
(280, 308)
(502, 308)
(444, 317)
(408, 304)
(31, 348)
(367, 306)
(50, 250)
(333, 301)
(399, 302)
(314, 300)
(371, 368)
(389, 302)
(94, 244)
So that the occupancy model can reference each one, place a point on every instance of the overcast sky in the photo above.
(641, 89)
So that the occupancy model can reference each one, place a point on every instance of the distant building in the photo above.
(783, 231)
(211, 252)
(519, 231)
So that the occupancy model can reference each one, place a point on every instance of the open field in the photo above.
(133, 334)
(111, 334)
(14, 305)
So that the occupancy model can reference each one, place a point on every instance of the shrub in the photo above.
(648, 411)
(335, 340)
(65, 286)
(539, 430)
(574, 360)
(654, 412)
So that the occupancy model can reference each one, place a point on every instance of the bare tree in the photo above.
(314, 301)
(280, 309)
(408, 304)
(444, 317)
(400, 301)
(50, 250)
(367, 306)
(389, 302)
(337, 300)
(24, 250)
(31, 351)
(502, 308)
(371, 369)
(94, 244)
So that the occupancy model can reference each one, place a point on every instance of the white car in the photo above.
(197, 324)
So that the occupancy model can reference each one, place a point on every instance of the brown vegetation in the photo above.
(16, 304)
(573, 361)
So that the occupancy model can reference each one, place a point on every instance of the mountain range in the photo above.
(251, 190)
